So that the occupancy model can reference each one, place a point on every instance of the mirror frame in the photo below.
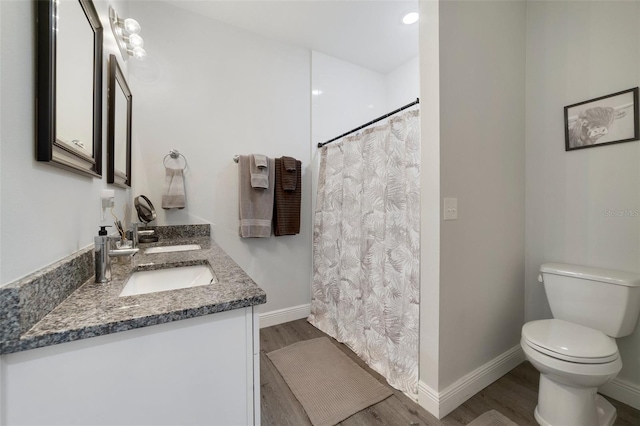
(48, 148)
(117, 81)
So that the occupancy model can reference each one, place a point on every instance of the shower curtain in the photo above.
(366, 242)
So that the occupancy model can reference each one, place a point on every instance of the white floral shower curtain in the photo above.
(366, 247)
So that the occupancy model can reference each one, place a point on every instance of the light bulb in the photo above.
(411, 18)
(131, 26)
(139, 53)
(135, 40)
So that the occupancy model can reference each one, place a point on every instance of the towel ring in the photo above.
(175, 154)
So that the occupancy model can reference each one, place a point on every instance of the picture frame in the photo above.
(606, 120)
(69, 98)
(120, 111)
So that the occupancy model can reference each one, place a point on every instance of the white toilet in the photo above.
(576, 351)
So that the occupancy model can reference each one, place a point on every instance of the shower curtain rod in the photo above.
(417, 101)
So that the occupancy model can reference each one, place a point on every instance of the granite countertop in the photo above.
(96, 309)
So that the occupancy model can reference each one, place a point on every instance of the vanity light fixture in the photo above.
(126, 32)
(411, 18)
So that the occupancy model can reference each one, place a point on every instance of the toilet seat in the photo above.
(570, 342)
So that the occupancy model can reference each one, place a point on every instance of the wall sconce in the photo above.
(126, 33)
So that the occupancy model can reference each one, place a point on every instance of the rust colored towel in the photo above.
(289, 163)
(286, 210)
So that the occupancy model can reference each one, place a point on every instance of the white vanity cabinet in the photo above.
(198, 371)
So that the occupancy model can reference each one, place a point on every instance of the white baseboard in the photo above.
(279, 316)
(623, 391)
(428, 399)
(442, 403)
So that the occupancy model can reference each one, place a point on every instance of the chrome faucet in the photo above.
(123, 252)
(128, 250)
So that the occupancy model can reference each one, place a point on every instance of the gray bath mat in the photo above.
(329, 385)
(492, 418)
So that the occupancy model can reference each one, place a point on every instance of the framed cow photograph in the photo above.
(602, 121)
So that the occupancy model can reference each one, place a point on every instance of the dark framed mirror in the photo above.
(119, 127)
(69, 85)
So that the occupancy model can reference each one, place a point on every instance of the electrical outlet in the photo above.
(450, 208)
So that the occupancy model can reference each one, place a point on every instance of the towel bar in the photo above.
(236, 157)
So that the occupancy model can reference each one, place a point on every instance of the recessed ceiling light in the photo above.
(316, 92)
(410, 18)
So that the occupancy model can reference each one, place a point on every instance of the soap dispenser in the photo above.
(103, 265)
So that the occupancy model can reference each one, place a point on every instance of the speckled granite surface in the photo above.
(96, 309)
(26, 301)
(181, 231)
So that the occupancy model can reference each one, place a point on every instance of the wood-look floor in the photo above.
(514, 395)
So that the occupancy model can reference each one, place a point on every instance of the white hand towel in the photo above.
(173, 193)
(259, 175)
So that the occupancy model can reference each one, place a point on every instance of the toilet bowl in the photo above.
(576, 352)
(573, 362)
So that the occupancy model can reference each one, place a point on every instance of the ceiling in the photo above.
(369, 33)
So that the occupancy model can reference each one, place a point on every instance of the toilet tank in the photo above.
(603, 299)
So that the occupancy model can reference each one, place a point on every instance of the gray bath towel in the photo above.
(255, 204)
(259, 172)
(173, 193)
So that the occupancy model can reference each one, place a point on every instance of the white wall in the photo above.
(46, 213)
(213, 91)
(349, 96)
(1, 137)
(2, 394)
(403, 84)
(577, 51)
(429, 61)
(482, 131)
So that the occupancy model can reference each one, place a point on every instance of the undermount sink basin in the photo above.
(168, 249)
(144, 282)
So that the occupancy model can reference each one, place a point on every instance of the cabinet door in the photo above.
(256, 367)
(189, 372)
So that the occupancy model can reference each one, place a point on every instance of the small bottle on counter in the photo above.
(103, 261)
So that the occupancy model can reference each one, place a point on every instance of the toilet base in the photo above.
(561, 405)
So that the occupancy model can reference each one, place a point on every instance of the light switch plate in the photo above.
(450, 208)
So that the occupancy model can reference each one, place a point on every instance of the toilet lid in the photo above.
(570, 342)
